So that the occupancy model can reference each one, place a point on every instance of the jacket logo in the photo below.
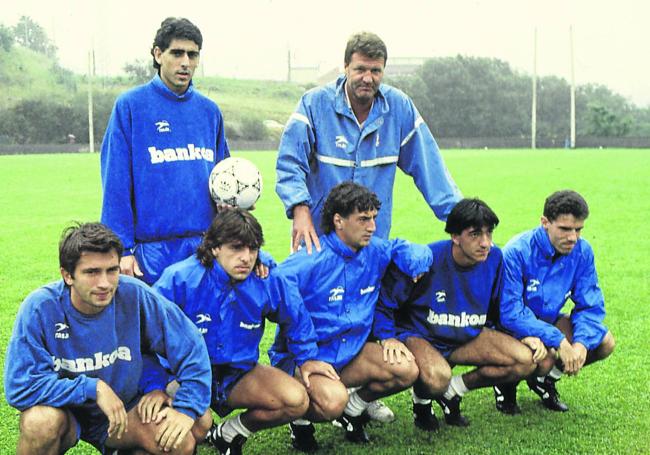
(441, 296)
(456, 320)
(251, 326)
(336, 294)
(163, 126)
(61, 328)
(532, 285)
(98, 361)
(341, 142)
(367, 290)
(201, 318)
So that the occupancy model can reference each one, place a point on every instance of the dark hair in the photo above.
(175, 28)
(233, 225)
(367, 44)
(86, 237)
(470, 213)
(565, 202)
(344, 199)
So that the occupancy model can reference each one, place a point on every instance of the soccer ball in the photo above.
(236, 182)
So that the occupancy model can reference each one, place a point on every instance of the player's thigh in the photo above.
(369, 365)
(54, 422)
(266, 387)
(490, 347)
(428, 359)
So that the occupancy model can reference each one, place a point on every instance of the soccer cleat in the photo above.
(505, 398)
(424, 418)
(379, 412)
(355, 428)
(451, 408)
(302, 437)
(217, 441)
(544, 387)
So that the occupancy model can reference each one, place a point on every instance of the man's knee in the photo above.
(44, 425)
(606, 347)
(404, 373)
(294, 399)
(523, 364)
(202, 425)
(329, 400)
(435, 378)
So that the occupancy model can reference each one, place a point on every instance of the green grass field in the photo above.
(610, 402)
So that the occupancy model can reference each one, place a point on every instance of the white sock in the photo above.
(301, 422)
(555, 373)
(356, 405)
(456, 387)
(417, 399)
(233, 427)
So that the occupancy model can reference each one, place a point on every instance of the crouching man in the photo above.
(229, 305)
(75, 357)
(447, 318)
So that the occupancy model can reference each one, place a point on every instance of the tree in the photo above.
(6, 38)
(139, 71)
(32, 36)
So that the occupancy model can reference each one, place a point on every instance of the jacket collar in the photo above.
(160, 87)
(543, 242)
(340, 248)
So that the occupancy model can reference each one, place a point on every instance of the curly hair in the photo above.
(565, 202)
(344, 199)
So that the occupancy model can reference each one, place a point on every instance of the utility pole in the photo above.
(573, 91)
(533, 116)
(91, 72)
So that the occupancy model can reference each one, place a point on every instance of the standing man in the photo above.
(543, 268)
(162, 141)
(357, 129)
(448, 318)
(339, 287)
(229, 305)
(75, 357)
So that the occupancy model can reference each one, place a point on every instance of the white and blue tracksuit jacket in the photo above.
(323, 145)
(537, 284)
(450, 304)
(56, 354)
(340, 287)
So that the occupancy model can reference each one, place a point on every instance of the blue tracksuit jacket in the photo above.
(323, 145)
(57, 354)
(156, 157)
(340, 287)
(537, 285)
(449, 304)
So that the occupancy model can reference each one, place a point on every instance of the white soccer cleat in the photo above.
(379, 412)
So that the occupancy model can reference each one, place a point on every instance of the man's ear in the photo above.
(67, 277)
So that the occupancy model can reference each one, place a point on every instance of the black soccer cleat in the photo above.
(544, 387)
(217, 441)
(424, 418)
(505, 398)
(302, 437)
(451, 408)
(355, 428)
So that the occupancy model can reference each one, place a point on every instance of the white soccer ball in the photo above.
(236, 182)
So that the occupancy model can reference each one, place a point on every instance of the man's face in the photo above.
(364, 75)
(236, 259)
(177, 64)
(94, 282)
(563, 232)
(357, 229)
(472, 245)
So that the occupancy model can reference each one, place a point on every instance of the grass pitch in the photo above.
(610, 401)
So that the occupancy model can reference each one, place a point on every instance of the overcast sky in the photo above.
(250, 38)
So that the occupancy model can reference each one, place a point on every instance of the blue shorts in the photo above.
(92, 424)
(445, 349)
(154, 257)
(224, 378)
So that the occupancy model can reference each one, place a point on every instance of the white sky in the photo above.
(250, 38)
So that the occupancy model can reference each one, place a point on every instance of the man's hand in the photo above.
(571, 357)
(151, 403)
(129, 266)
(173, 427)
(261, 270)
(303, 229)
(538, 348)
(394, 349)
(317, 367)
(581, 350)
(113, 408)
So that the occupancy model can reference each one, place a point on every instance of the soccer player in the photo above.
(447, 318)
(228, 304)
(543, 268)
(339, 287)
(162, 141)
(75, 357)
(360, 129)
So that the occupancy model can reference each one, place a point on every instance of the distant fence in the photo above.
(444, 143)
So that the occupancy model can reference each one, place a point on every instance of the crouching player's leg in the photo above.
(270, 396)
(379, 371)
(46, 430)
(576, 355)
(499, 358)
